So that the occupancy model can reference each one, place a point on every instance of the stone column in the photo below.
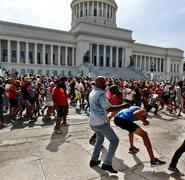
(102, 6)
(117, 57)
(144, 63)
(90, 53)
(160, 65)
(44, 54)
(66, 55)
(88, 9)
(123, 57)
(136, 61)
(83, 9)
(27, 53)
(35, 54)
(104, 56)
(110, 56)
(76, 11)
(18, 52)
(59, 52)
(92, 13)
(106, 10)
(51, 54)
(97, 55)
(98, 9)
(109, 12)
(149, 63)
(79, 6)
(9, 51)
(73, 57)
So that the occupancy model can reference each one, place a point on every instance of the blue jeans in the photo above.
(101, 132)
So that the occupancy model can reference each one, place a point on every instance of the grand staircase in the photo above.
(124, 73)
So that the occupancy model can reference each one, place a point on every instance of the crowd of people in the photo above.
(106, 99)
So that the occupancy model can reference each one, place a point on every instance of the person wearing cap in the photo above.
(2, 93)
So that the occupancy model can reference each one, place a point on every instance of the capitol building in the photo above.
(93, 46)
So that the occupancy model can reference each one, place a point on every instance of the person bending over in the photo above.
(125, 120)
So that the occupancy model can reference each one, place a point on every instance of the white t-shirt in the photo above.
(129, 94)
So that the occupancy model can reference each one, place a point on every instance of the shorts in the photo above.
(13, 103)
(60, 111)
(126, 124)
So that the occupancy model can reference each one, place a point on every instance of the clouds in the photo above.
(152, 21)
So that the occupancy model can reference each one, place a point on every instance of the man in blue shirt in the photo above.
(99, 107)
(125, 119)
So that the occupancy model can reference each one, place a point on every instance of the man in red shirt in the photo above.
(60, 101)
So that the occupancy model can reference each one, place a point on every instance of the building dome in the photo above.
(101, 12)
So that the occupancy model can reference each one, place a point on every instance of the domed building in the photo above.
(93, 46)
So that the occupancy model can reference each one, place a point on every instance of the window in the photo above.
(47, 72)
(23, 71)
(40, 72)
(107, 62)
(22, 57)
(31, 58)
(81, 13)
(119, 64)
(95, 64)
(14, 54)
(95, 12)
(5, 58)
(101, 61)
(171, 67)
(38, 58)
(46, 56)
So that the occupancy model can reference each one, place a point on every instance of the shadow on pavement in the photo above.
(58, 139)
(135, 172)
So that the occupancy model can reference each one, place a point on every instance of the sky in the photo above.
(155, 22)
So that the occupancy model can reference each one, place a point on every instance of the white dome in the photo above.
(102, 12)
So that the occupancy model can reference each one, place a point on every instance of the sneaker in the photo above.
(94, 163)
(92, 141)
(157, 162)
(175, 170)
(58, 132)
(108, 168)
(133, 150)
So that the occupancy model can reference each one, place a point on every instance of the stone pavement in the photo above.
(31, 151)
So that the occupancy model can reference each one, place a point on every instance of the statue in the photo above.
(86, 57)
(131, 61)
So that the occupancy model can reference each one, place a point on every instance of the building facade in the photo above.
(111, 50)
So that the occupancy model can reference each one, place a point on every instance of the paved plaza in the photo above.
(30, 151)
